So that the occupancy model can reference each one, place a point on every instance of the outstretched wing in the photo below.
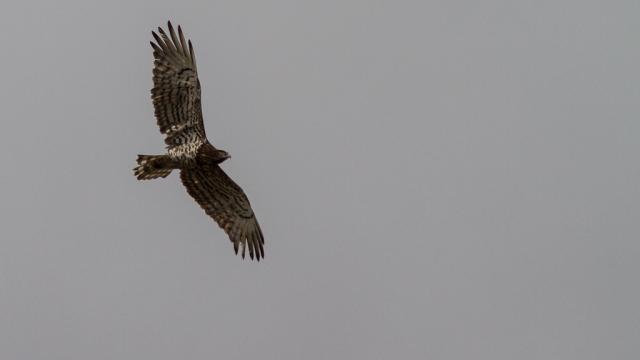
(226, 203)
(176, 90)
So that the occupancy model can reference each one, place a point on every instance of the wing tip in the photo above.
(256, 251)
(174, 45)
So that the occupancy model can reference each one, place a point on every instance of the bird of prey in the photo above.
(176, 99)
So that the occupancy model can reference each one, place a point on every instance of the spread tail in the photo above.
(153, 166)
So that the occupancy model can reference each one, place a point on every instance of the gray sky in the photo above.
(442, 180)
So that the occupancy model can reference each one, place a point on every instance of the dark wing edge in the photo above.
(224, 201)
(176, 90)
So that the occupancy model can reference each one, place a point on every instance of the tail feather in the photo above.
(152, 167)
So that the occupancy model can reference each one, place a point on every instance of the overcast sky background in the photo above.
(435, 180)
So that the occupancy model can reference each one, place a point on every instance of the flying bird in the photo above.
(177, 103)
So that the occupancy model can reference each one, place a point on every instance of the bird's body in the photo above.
(176, 99)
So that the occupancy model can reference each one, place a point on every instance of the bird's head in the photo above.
(222, 155)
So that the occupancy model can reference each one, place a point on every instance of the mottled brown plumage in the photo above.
(176, 99)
